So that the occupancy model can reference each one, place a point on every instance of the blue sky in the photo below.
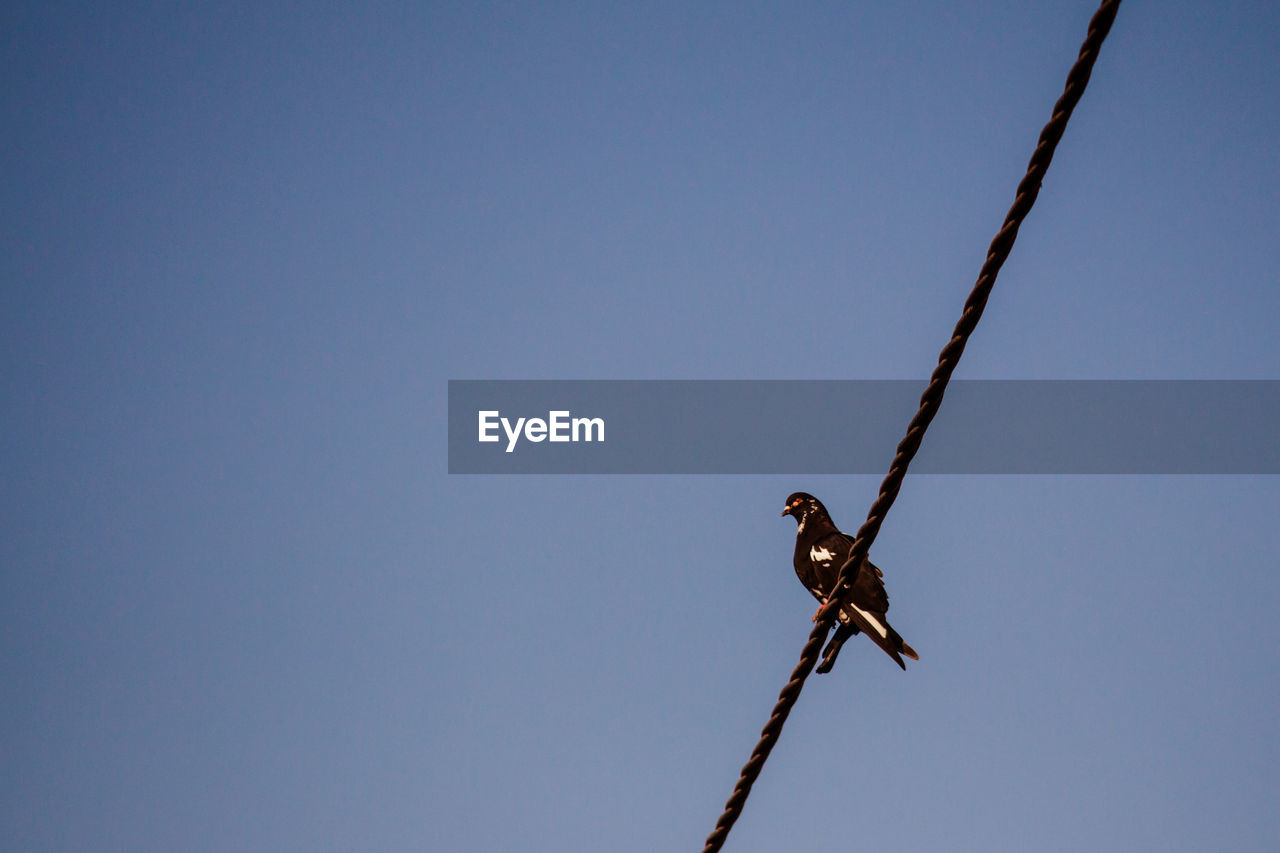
(244, 607)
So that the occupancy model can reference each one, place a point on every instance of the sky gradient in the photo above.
(243, 605)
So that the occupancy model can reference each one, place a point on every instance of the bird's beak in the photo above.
(786, 510)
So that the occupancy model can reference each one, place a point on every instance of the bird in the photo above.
(821, 550)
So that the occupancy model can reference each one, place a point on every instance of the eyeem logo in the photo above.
(558, 426)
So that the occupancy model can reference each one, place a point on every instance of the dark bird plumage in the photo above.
(821, 549)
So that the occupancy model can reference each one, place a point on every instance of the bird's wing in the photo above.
(866, 603)
(865, 606)
(827, 556)
(868, 589)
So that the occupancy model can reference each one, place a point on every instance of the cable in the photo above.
(997, 253)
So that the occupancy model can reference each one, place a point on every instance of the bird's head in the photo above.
(801, 506)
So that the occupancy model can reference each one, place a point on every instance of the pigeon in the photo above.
(821, 550)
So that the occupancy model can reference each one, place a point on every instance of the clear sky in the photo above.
(243, 248)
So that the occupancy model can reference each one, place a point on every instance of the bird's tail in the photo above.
(892, 643)
(897, 647)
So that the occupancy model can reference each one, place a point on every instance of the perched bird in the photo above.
(821, 549)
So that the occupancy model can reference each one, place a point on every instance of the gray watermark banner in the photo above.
(853, 427)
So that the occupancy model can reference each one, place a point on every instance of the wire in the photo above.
(997, 253)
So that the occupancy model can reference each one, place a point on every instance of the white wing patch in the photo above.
(875, 623)
(821, 555)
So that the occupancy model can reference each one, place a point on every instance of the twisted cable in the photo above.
(930, 401)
